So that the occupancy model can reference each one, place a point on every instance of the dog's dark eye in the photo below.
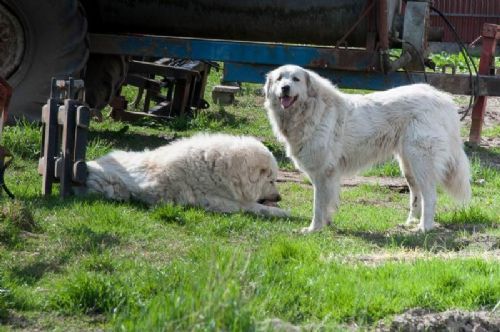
(296, 79)
(279, 78)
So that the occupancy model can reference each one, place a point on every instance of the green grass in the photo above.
(89, 264)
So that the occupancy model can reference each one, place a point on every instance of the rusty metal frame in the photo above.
(490, 34)
(5, 156)
(183, 80)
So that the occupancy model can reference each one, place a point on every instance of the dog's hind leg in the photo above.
(415, 194)
(424, 175)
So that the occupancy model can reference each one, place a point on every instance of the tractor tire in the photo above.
(104, 76)
(50, 40)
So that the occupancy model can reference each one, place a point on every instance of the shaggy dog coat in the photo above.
(329, 134)
(218, 172)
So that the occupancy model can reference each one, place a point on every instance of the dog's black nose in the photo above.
(285, 89)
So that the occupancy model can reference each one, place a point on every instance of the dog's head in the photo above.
(254, 171)
(287, 86)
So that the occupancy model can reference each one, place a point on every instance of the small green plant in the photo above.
(458, 61)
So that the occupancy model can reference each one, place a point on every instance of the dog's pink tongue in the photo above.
(286, 101)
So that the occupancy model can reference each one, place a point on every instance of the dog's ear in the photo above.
(269, 83)
(256, 173)
(311, 84)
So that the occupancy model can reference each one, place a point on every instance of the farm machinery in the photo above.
(171, 45)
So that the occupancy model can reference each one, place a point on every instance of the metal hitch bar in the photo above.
(65, 121)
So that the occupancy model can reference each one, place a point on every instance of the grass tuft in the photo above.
(170, 213)
(390, 168)
(88, 293)
(210, 298)
(471, 215)
(15, 218)
(23, 140)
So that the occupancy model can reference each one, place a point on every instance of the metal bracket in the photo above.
(64, 137)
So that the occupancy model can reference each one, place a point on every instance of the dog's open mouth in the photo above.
(287, 101)
(268, 202)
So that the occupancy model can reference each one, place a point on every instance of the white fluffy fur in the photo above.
(329, 134)
(218, 172)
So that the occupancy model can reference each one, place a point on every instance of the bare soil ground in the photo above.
(396, 183)
(416, 320)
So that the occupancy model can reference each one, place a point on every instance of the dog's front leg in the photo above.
(263, 210)
(326, 193)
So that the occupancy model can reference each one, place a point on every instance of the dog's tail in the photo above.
(457, 180)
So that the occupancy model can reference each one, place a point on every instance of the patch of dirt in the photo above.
(278, 325)
(482, 242)
(416, 320)
(461, 240)
(379, 258)
(395, 183)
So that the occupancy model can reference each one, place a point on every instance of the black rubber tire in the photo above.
(55, 46)
(104, 76)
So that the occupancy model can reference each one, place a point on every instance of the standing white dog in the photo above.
(217, 172)
(329, 134)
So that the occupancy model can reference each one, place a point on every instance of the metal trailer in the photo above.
(352, 42)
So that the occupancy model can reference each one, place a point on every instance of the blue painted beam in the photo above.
(456, 84)
(234, 51)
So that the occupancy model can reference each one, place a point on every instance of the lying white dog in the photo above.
(329, 134)
(217, 172)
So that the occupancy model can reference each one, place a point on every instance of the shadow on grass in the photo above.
(86, 239)
(56, 203)
(487, 157)
(178, 214)
(32, 272)
(124, 140)
(446, 237)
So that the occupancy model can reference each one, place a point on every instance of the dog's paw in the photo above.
(425, 227)
(276, 212)
(282, 213)
(309, 230)
(412, 220)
